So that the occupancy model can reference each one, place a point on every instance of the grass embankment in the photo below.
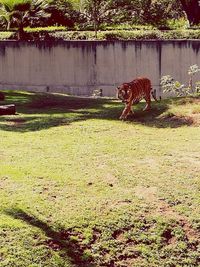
(78, 187)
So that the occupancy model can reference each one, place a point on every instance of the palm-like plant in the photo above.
(19, 11)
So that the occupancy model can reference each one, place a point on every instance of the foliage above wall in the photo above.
(61, 34)
(99, 15)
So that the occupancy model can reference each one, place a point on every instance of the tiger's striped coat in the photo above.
(133, 92)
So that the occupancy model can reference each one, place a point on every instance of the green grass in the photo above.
(78, 187)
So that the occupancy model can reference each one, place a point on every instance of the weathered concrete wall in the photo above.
(79, 67)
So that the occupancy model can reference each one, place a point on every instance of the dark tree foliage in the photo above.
(94, 14)
(158, 12)
(192, 10)
(63, 13)
(155, 12)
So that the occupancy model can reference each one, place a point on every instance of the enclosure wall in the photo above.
(79, 67)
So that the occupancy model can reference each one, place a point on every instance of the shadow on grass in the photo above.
(58, 241)
(38, 111)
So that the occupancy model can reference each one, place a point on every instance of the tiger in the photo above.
(133, 92)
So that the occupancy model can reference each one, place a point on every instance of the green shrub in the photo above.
(168, 84)
(48, 29)
(126, 27)
(175, 24)
(59, 33)
(5, 35)
(128, 35)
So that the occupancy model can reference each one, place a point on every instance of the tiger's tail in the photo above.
(153, 93)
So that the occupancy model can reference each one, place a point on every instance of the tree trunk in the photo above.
(8, 26)
(95, 18)
(95, 28)
(192, 10)
(20, 34)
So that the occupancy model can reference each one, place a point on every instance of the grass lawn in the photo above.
(78, 187)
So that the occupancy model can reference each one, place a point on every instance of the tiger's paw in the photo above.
(131, 113)
(147, 109)
(122, 118)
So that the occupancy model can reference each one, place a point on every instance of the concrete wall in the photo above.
(79, 67)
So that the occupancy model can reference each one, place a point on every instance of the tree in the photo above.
(21, 12)
(9, 9)
(155, 12)
(192, 10)
(124, 11)
(95, 11)
(62, 12)
(158, 12)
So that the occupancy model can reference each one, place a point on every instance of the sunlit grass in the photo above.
(78, 187)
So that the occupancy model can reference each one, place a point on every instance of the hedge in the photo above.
(41, 34)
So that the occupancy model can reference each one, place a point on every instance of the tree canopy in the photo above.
(94, 14)
(192, 10)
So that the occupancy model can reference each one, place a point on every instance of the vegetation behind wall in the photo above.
(96, 19)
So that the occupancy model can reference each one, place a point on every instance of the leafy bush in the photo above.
(126, 27)
(6, 35)
(48, 29)
(175, 24)
(168, 84)
(128, 35)
(60, 33)
(134, 35)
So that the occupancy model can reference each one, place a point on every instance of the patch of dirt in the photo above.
(169, 237)
(130, 262)
(190, 160)
(167, 211)
(189, 231)
(3, 182)
(54, 245)
(119, 235)
(110, 179)
(49, 190)
(149, 194)
(192, 119)
(146, 193)
(148, 162)
(195, 119)
(180, 120)
(109, 206)
(189, 101)
(96, 235)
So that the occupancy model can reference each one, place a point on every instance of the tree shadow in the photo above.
(38, 111)
(59, 241)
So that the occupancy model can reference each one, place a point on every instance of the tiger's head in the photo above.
(124, 92)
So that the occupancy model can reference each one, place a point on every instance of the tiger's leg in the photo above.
(148, 102)
(126, 111)
(131, 112)
(153, 93)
